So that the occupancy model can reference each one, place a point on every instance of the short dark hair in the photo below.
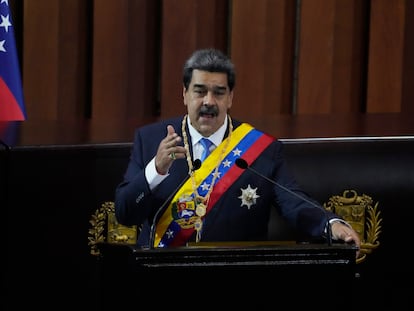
(211, 60)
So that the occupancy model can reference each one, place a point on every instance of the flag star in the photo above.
(237, 152)
(226, 163)
(205, 186)
(2, 48)
(217, 174)
(170, 234)
(5, 1)
(5, 22)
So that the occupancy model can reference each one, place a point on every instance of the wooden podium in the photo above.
(256, 255)
(249, 269)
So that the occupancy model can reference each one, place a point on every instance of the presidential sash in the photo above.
(176, 225)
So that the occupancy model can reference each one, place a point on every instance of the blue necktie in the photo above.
(206, 145)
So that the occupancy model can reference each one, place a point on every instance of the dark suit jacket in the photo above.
(136, 204)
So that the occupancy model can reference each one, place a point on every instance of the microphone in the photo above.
(196, 166)
(241, 163)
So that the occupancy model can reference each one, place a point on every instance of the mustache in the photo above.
(211, 110)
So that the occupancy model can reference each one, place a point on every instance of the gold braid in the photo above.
(202, 202)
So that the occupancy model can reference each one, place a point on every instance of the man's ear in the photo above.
(184, 91)
(230, 101)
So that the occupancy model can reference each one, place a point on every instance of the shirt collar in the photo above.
(216, 137)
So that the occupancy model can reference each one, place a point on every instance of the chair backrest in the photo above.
(105, 228)
(362, 214)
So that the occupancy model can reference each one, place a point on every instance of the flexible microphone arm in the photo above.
(196, 166)
(241, 163)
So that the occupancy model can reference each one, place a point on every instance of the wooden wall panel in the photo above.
(385, 71)
(187, 25)
(95, 70)
(407, 100)
(316, 56)
(73, 67)
(143, 61)
(110, 68)
(54, 70)
(40, 58)
(124, 68)
(331, 54)
(349, 55)
(262, 37)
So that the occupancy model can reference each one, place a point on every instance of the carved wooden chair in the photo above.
(362, 214)
(105, 228)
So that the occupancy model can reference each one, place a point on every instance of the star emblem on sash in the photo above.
(248, 196)
(237, 152)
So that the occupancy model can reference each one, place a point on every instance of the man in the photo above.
(220, 200)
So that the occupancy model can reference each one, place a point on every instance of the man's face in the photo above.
(208, 99)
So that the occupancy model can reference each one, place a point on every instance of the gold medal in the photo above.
(201, 209)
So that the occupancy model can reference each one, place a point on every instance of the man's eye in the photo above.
(200, 91)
